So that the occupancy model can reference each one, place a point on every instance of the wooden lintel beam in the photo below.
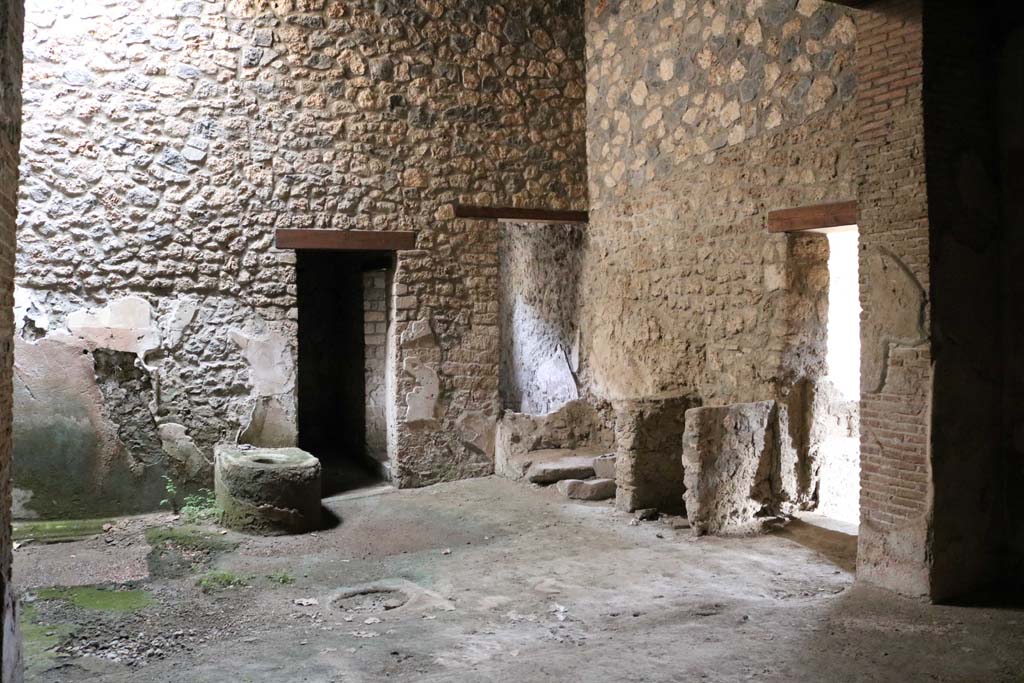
(813, 217)
(345, 240)
(511, 215)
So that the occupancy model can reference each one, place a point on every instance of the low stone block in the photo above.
(648, 471)
(590, 489)
(728, 456)
(604, 466)
(551, 471)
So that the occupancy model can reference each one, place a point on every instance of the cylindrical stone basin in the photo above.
(267, 490)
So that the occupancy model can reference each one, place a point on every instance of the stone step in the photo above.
(604, 466)
(549, 471)
(589, 489)
(517, 466)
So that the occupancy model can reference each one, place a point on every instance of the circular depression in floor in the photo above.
(370, 600)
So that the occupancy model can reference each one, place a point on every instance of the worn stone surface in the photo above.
(729, 453)
(165, 143)
(520, 465)
(267, 490)
(726, 605)
(648, 469)
(575, 425)
(556, 465)
(587, 489)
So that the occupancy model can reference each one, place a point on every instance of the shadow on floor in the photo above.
(347, 477)
(836, 546)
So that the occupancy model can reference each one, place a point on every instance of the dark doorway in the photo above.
(341, 309)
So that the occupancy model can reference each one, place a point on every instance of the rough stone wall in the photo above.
(678, 227)
(896, 361)
(540, 275)
(11, 29)
(167, 140)
(375, 321)
(701, 118)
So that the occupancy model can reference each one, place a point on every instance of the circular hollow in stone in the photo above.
(370, 600)
(267, 490)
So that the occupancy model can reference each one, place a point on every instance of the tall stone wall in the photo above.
(166, 141)
(11, 20)
(702, 117)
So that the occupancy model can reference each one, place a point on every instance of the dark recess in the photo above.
(331, 381)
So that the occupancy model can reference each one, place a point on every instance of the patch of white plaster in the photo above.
(271, 362)
(179, 446)
(177, 321)
(271, 424)
(421, 401)
(124, 324)
(28, 309)
(418, 333)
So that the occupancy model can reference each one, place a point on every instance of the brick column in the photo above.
(896, 498)
(11, 31)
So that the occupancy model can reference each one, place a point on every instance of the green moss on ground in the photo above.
(96, 598)
(188, 538)
(39, 641)
(58, 530)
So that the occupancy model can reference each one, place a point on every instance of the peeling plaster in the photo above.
(124, 324)
(894, 314)
(180, 447)
(421, 402)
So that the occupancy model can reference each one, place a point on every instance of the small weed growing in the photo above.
(171, 491)
(282, 578)
(217, 581)
(200, 507)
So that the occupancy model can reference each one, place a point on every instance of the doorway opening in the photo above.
(343, 363)
(839, 473)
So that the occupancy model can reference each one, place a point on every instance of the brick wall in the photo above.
(896, 497)
(375, 331)
(11, 19)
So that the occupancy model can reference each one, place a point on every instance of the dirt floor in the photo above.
(484, 580)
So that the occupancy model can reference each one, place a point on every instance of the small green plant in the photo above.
(216, 581)
(282, 578)
(200, 507)
(171, 491)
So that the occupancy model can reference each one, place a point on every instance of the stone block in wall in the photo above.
(575, 425)
(730, 454)
(649, 473)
